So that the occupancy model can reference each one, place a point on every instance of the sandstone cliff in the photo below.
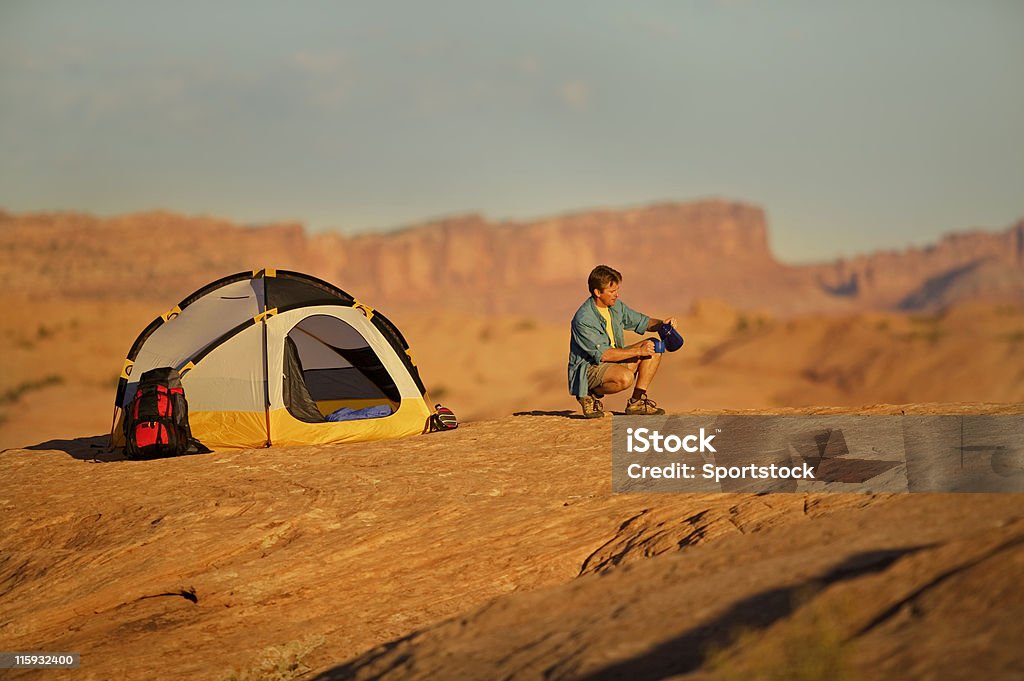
(671, 255)
(969, 265)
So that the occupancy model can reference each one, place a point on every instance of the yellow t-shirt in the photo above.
(603, 311)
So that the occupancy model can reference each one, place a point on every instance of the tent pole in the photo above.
(266, 360)
(113, 423)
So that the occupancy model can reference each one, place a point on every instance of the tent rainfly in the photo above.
(265, 356)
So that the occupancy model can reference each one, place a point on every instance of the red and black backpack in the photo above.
(443, 418)
(156, 420)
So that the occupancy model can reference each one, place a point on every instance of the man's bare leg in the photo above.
(645, 373)
(639, 403)
(617, 378)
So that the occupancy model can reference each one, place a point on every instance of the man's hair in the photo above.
(602, 277)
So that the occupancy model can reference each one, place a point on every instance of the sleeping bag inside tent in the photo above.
(273, 357)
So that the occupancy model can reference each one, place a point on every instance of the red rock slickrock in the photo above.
(494, 551)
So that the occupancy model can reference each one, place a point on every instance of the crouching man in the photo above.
(599, 361)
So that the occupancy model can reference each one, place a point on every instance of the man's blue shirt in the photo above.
(589, 338)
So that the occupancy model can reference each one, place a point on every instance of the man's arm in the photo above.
(655, 324)
(590, 340)
(631, 319)
(638, 351)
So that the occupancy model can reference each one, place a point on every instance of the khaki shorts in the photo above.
(595, 374)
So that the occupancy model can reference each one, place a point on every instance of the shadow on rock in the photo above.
(566, 414)
(94, 448)
(680, 655)
(688, 652)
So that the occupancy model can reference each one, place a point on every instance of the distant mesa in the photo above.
(988, 280)
(672, 255)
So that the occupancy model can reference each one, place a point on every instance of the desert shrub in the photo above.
(280, 663)
(930, 336)
(1014, 337)
(14, 394)
(925, 319)
(927, 328)
(807, 649)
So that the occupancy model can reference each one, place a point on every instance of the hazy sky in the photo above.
(856, 125)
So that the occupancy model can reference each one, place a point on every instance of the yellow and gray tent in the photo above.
(266, 355)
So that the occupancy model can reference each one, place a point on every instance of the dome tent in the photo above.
(265, 355)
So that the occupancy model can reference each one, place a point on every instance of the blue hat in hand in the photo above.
(673, 341)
